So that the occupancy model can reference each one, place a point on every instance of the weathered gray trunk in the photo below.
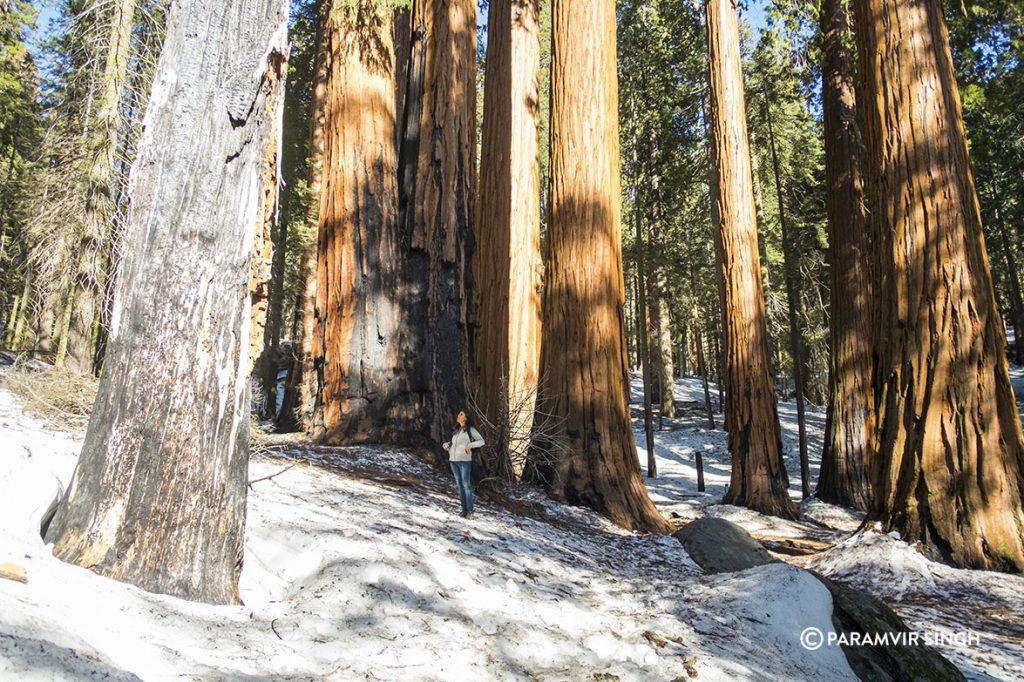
(158, 497)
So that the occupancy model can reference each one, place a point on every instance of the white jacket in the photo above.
(463, 443)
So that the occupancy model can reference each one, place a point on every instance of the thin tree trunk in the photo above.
(1012, 274)
(796, 346)
(300, 394)
(158, 496)
(759, 480)
(702, 368)
(662, 327)
(951, 451)
(506, 262)
(583, 364)
(849, 426)
(645, 347)
(86, 295)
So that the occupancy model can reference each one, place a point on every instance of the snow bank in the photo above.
(358, 566)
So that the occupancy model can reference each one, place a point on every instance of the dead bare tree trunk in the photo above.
(158, 496)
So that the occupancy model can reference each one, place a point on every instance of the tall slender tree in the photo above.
(583, 363)
(950, 465)
(158, 496)
(849, 427)
(759, 478)
(506, 261)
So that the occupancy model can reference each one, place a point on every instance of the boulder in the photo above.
(720, 546)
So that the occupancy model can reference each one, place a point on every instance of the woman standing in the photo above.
(464, 440)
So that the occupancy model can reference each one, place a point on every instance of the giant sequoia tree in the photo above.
(849, 428)
(359, 270)
(158, 496)
(951, 455)
(583, 366)
(437, 180)
(759, 478)
(506, 262)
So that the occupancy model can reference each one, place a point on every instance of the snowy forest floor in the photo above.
(358, 566)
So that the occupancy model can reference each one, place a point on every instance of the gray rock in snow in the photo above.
(720, 546)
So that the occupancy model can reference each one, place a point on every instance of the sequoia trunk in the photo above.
(951, 453)
(759, 479)
(583, 367)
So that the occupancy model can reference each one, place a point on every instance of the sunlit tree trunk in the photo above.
(158, 496)
(951, 453)
(583, 365)
(506, 261)
(849, 427)
(759, 478)
(363, 388)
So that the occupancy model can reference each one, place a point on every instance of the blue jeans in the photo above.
(463, 472)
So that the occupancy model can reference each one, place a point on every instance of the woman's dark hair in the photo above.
(469, 421)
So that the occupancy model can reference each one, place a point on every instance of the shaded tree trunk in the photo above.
(300, 394)
(849, 426)
(505, 328)
(583, 365)
(436, 189)
(795, 310)
(759, 480)
(951, 452)
(158, 496)
(77, 347)
(1013, 276)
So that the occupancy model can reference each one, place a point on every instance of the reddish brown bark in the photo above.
(759, 478)
(506, 261)
(951, 452)
(583, 365)
(363, 394)
(849, 428)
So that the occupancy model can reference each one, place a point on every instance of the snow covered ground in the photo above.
(357, 566)
(930, 596)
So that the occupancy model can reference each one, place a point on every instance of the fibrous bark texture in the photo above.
(759, 478)
(505, 324)
(436, 184)
(583, 366)
(849, 427)
(158, 496)
(363, 390)
(951, 452)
